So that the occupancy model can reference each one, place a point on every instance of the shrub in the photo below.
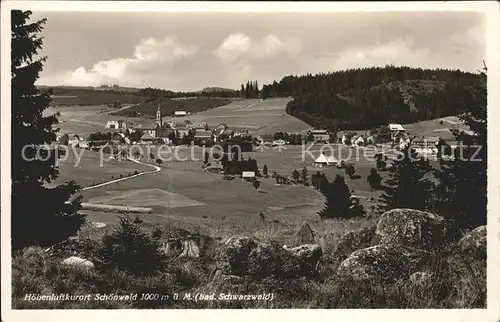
(132, 249)
(350, 170)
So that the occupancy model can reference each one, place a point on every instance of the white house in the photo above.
(426, 146)
(321, 135)
(83, 144)
(247, 174)
(397, 131)
(403, 143)
(325, 160)
(74, 141)
(116, 124)
(357, 141)
(180, 113)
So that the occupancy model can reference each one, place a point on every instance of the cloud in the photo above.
(150, 55)
(398, 52)
(238, 46)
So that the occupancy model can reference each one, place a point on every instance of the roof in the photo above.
(146, 136)
(427, 139)
(180, 112)
(396, 127)
(326, 159)
(319, 131)
(202, 134)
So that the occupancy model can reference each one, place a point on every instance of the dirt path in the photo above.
(156, 169)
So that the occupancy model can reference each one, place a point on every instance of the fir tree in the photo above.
(407, 187)
(339, 202)
(295, 175)
(374, 179)
(40, 215)
(304, 176)
(461, 191)
(265, 171)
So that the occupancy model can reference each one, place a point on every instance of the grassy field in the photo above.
(168, 106)
(184, 195)
(87, 171)
(256, 116)
(436, 127)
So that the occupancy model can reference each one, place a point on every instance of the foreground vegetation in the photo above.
(127, 261)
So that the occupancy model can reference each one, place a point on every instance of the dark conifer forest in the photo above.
(370, 97)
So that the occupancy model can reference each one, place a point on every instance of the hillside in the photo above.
(371, 97)
(72, 95)
(169, 106)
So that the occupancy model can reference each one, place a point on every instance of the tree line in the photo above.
(370, 97)
(250, 90)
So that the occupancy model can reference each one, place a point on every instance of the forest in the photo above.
(370, 97)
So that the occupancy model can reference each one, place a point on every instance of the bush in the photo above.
(374, 179)
(350, 170)
(132, 249)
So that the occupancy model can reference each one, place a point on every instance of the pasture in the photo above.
(256, 116)
(84, 167)
(184, 195)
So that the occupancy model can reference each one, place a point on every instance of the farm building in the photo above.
(116, 124)
(321, 135)
(425, 146)
(345, 137)
(147, 138)
(202, 136)
(357, 141)
(149, 130)
(180, 113)
(397, 131)
(325, 160)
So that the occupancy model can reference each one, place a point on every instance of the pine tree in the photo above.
(295, 175)
(304, 176)
(461, 194)
(374, 179)
(40, 215)
(265, 171)
(242, 91)
(339, 202)
(407, 187)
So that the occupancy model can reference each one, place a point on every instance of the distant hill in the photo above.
(169, 106)
(371, 97)
(217, 89)
(73, 95)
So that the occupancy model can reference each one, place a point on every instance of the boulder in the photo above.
(412, 228)
(304, 235)
(308, 253)
(354, 240)
(248, 256)
(382, 263)
(189, 245)
(473, 244)
(78, 262)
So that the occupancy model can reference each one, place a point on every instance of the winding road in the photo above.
(156, 169)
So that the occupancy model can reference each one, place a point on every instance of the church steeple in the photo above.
(158, 115)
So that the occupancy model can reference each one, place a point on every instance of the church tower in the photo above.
(158, 115)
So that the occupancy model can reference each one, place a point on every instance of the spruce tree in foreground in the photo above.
(406, 186)
(461, 192)
(339, 201)
(40, 215)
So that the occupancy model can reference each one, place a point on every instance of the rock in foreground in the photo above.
(473, 244)
(248, 256)
(412, 228)
(382, 263)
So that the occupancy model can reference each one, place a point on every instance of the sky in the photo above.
(190, 51)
